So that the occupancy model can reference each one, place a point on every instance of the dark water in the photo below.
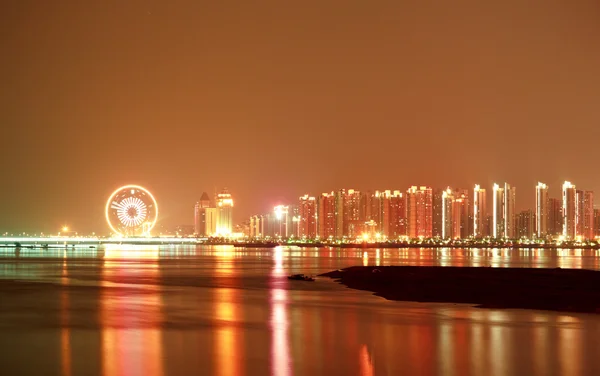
(225, 311)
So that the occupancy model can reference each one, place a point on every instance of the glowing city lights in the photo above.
(131, 210)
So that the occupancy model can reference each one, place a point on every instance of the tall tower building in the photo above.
(555, 217)
(353, 224)
(596, 222)
(200, 215)
(503, 216)
(224, 216)
(579, 213)
(455, 213)
(282, 221)
(394, 214)
(308, 217)
(569, 212)
(339, 213)
(254, 231)
(447, 212)
(542, 204)
(525, 224)
(438, 208)
(419, 212)
(211, 221)
(588, 215)
(375, 211)
(326, 216)
(465, 213)
(498, 219)
(510, 194)
(479, 212)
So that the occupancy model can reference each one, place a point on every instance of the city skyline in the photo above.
(242, 212)
(426, 212)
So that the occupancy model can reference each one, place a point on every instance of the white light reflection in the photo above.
(65, 318)
(280, 351)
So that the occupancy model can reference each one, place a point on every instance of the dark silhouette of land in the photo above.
(569, 290)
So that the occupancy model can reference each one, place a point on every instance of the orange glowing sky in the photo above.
(276, 99)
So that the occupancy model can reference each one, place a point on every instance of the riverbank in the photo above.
(567, 290)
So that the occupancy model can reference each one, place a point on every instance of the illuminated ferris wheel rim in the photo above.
(123, 188)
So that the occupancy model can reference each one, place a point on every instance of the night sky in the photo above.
(274, 99)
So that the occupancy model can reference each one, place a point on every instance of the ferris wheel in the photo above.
(131, 211)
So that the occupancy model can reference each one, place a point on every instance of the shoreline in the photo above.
(561, 290)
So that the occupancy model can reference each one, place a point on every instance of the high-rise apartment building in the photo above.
(555, 217)
(461, 200)
(588, 215)
(307, 217)
(254, 227)
(542, 208)
(352, 223)
(326, 223)
(503, 215)
(224, 216)
(282, 225)
(394, 214)
(374, 211)
(498, 210)
(200, 215)
(210, 220)
(437, 212)
(525, 224)
(569, 204)
(596, 222)
(455, 214)
(480, 216)
(579, 213)
(419, 202)
(339, 197)
(447, 214)
(510, 194)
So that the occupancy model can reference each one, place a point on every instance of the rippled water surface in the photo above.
(230, 311)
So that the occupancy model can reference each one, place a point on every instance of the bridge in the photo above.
(84, 241)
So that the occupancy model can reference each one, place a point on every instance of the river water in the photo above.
(185, 310)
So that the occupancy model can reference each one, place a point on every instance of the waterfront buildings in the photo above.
(200, 215)
(419, 202)
(596, 222)
(447, 214)
(480, 223)
(210, 221)
(349, 214)
(555, 217)
(542, 210)
(503, 216)
(437, 211)
(569, 212)
(588, 215)
(326, 216)
(349, 222)
(394, 214)
(215, 220)
(307, 217)
(525, 224)
(283, 221)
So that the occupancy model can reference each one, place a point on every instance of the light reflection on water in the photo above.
(128, 347)
(229, 311)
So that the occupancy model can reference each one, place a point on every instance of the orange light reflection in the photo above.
(65, 332)
(228, 336)
(131, 338)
